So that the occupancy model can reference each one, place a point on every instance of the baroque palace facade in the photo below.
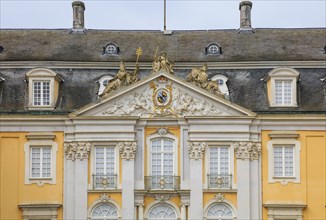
(233, 128)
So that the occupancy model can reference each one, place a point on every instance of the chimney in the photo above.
(245, 15)
(78, 15)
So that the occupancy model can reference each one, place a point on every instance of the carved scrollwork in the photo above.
(105, 198)
(199, 77)
(247, 150)
(219, 197)
(196, 150)
(77, 150)
(128, 149)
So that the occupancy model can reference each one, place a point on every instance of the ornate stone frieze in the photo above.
(247, 150)
(196, 150)
(199, 77)
(128, 149)
(77, 150)
(161, 101)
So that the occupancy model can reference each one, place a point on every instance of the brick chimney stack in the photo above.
(78, 15)
(245, 15)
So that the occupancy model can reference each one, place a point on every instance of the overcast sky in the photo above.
(148, 14)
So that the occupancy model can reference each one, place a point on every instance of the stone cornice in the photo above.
(77, 150)
(127, 149)
(196, 150)
(178, 65)
(247, 150)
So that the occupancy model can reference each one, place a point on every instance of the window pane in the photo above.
(289, 161)
(278, 92)
(214, 160)
(278, 163)
(287, 92)
(36, 161)
(224, 160)
(46, 162)
(36, 93)
(46, 93)
(110, 158)
(99, 158)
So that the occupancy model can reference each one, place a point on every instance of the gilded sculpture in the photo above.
(122, 78)
(199, 77)
(162, 63)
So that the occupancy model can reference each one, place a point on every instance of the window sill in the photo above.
(40, 107)
(221, 190)
(103, 190)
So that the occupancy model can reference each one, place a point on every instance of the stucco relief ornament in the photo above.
(196, 150)
(161, 63)
(199, 77)
(105, 198)
(247, 150)
(77, 150)
(128, 150)
(219, 197)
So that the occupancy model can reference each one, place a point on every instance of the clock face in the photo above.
(162, 97)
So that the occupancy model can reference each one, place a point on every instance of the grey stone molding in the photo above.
(127, 149)
(196, 149)
(77, 150)
(247, 150)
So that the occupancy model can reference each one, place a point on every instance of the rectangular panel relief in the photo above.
(185, 157)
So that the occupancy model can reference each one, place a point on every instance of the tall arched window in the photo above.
(105, 211)
(162, 211)
(219, 211)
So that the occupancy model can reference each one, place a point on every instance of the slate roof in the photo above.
(246, 87)
(181, 46)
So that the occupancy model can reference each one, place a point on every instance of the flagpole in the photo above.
(164, 14)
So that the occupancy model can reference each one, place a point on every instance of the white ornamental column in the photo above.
(247, 154)
(127, 153)
(75, 188)
(196, 152)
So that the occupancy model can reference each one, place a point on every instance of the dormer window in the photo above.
(221, 81)
(282, 87)
(104, 81)
(43, 89)
(111, 49)
(213, 49)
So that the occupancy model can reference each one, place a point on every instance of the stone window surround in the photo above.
(175, 151)
(101, 82)
(283, 74)
(281, 138)
(99, 201)
(231, 161)
(35, 140)
(226, 201)
(92, 163)
(40, 211)
(42, 75)
(284, 210)
(151, 205)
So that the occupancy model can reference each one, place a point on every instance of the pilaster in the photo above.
(248, 154)
(127, 151)
(196, 152)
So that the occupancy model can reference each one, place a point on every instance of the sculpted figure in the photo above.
(123, 77)
(162, 63)
(199, 77)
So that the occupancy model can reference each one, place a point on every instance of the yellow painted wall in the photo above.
(312, 188)
(13, 190)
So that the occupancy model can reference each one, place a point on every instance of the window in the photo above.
(40, 162)
(283, 157)
(111, 49)
(105, 211)
(213, 49)
(219, 211)
(283, 161)
(221, 81)
(105, 167)
(40, 158)
(41, 93)
(219, 167)
(104, 81)
(43, 89)
(282, 87)
(162, 211)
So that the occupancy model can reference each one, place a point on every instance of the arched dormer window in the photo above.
(43, 89)
(213, 49)
(282, 87)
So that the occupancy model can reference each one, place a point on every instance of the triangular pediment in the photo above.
(162, 95)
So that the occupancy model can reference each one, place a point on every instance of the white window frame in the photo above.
(284, 160)
(175, 152)
(51, 84)
(101, 82)
(280, 138)
(93, 164)
(42, 75)
(283, 74)
(40, 140)
(231, 161)
(40, 163)
(100, 201)
(225, 201)
(153, 204)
